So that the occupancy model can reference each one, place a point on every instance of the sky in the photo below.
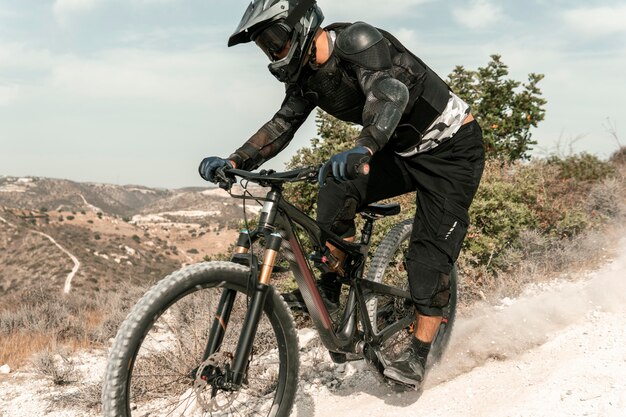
(139, 91)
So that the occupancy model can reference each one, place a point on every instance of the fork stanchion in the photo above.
(255, 309)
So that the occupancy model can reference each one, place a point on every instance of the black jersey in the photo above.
(370, 79)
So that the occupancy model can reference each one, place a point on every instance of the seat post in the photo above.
(373, 212)
(366, 232)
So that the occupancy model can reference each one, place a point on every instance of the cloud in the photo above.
(372, 9)
(152, 2)
(597, 21)
(8, 94)
(64, 10)
(479, 14)
(139, 74)
(22, 58)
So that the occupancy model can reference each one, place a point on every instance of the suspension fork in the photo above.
(255, 309)
(225, 305)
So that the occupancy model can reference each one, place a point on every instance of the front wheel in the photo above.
(389, 267)
(158, 365)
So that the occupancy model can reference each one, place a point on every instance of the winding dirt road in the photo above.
(68, 280)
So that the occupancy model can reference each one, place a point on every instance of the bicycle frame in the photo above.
(277, 223)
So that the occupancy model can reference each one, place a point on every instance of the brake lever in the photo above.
(313, 175)
(226, 181)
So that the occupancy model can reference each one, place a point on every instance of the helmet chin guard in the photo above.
(302, 17)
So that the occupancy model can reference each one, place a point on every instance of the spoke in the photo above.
(153, 389)
(175, 371)
(179, 403)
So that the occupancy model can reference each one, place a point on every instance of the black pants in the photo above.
(445, 180)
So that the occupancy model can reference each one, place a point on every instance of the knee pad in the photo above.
(441, 297)
(430, 290)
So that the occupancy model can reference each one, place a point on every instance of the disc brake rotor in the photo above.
(206, 390)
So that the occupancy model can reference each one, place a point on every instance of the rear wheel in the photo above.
(389, 267)
(156, 365)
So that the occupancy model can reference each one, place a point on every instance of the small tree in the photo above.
(505, 111)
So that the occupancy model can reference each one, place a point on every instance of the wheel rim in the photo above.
(161, 377)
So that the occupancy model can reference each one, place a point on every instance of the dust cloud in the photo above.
(517, 325)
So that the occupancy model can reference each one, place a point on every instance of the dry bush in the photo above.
(86, 396)
(42, 317)
(475, 283)
(55, 365)
(606, 198)
(545, 259)
(110, 309)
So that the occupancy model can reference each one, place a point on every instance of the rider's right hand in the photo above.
(210, 165)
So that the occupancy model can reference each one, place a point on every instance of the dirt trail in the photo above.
(68, 280)
(557, 350)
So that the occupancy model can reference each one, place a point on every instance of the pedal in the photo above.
(398, 382)
(398, 386)
(338, 357)
(294, 300)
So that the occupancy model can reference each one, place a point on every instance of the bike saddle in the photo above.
(381, 210)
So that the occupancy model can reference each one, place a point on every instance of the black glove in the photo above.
(209, 165)
(346, 165)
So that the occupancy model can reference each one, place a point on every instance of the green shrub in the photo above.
(582, 167)
(501, 209)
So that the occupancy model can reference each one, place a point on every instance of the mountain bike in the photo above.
(217, 339)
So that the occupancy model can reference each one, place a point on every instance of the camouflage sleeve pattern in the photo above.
(274, 135)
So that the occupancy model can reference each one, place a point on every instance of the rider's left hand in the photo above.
(344, 165)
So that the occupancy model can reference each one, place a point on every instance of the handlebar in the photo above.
(226, 175)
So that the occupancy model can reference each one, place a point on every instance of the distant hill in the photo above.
(117, 233)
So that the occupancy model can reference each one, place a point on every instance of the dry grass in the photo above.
(87, 396)
(43, 319)
(17, 348)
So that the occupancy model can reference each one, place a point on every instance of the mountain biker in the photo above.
(419, 135)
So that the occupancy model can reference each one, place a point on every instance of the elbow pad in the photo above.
(383, 110)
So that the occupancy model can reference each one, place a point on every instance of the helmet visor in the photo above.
(273, 39)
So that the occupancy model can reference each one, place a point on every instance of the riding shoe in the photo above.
(409, 368)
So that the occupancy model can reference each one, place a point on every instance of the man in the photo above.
(419, 134)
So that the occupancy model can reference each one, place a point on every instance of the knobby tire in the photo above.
(388, 266)
(163, 338)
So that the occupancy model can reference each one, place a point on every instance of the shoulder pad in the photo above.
(364, 45)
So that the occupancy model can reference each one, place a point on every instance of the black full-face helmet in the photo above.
(275, 24)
